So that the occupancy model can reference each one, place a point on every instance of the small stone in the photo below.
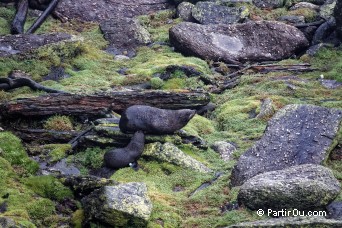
(225, 149)
(184, 11)
(121, 57)
(266, 110)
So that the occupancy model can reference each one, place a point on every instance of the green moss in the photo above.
(6, 15)
(57, 151)
(41, 209)
(13, 151)
(77, 218)
(48, 187)
(199, 126)
(310, 15)
(329, 63)
(59, 123)
(158, 24)
(91, 158)
(156, 83)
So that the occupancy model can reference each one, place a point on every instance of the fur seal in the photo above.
(128, 156)
(154, 120)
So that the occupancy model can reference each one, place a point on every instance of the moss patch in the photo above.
(13, 151)
(48, 187)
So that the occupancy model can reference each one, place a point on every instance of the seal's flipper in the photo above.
(134, 165)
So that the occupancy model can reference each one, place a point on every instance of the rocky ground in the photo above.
(264, 77)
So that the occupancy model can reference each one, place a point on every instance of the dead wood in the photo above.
(96, 105)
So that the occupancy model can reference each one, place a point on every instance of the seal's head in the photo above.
(185, 115)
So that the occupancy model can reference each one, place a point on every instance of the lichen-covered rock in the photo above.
(299, 221)
(335, 210)
(6, 222)
(22, 43)
(297, 134)
(338, 17)
(212, 13)
(225, 149)
(304, 5)
(122, 205)
(269, 3)
(270, 41)
(170, 153)
(124, 34)
(266, 109)
(184, 11)
(84, 185)
(327, 9)
(303, 187)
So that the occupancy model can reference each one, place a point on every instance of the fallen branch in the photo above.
(99, 104)
(19, 79)
(17, 26)
(43, 17)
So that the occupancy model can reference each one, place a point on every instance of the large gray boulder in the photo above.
(213, 13)
(303, 187)
(122, 205)
(297, 134)
(338, 17)
(252, 41)
(297, 222)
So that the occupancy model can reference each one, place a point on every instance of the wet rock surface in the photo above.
(119, 206)
(304, 187)
(297, 134)
(20, 44)
(229, 43)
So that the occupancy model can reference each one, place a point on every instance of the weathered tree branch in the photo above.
(98, 104)
(18, 79)
(17, 26)
(43, 16)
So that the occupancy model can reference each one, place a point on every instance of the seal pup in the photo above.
(127, 156)
(154, 120)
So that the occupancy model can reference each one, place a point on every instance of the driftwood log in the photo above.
(99, 104)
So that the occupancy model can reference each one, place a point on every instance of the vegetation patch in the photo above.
(59, 123)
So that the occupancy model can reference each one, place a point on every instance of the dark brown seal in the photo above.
(128, 156)
(154, 120)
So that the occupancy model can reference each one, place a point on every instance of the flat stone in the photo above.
(297, 134)
(303, 187)
(23, 43)
(225, 149)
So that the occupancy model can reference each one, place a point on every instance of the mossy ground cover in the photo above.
(92, 69)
